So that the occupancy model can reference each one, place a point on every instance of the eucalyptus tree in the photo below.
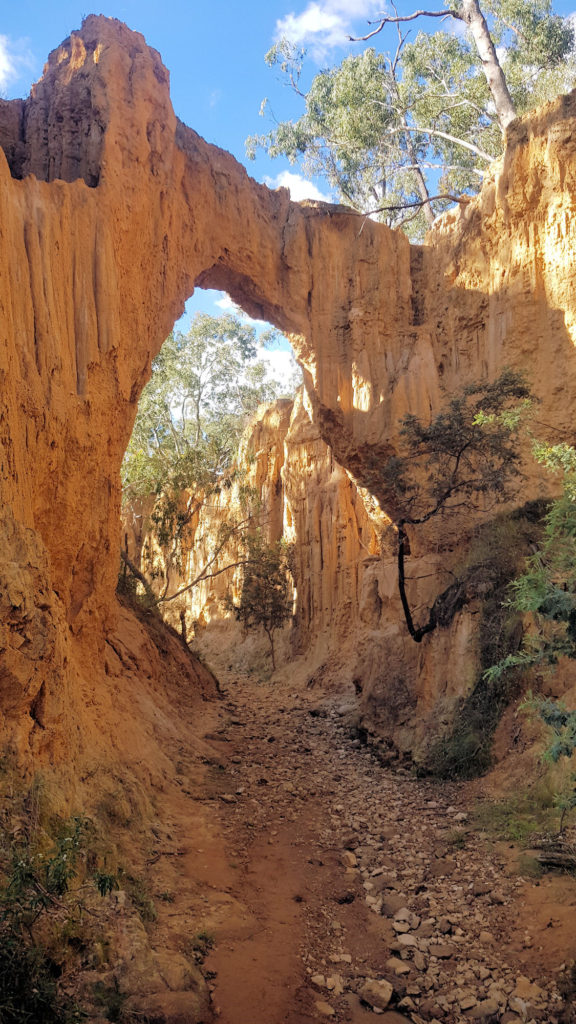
(527, 32)
(204, 386)
(381, 127)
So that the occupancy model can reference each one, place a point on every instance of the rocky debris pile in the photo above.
(406, 858)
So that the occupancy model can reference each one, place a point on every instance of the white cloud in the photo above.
(298, 186)
(280, 364)
(324, 24)
(8, 70)
(15, 57)
(227, 305)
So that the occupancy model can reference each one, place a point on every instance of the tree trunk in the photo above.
(422, 187)
(183, 627)
(473, 17)
(139, 576)
(416, 634)
(272, 652)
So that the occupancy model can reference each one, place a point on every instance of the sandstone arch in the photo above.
(112, 211)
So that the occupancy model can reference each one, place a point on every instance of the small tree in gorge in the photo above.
(265, 595)
(467, 457)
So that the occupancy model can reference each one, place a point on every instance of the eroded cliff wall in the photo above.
(112, 211)
(348, 634)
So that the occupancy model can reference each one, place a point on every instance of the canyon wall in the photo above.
(111, 212)
(348, 635)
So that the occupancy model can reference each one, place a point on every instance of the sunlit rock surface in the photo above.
(111, 212)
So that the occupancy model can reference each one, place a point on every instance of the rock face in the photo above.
(112, 211)
(348, 631)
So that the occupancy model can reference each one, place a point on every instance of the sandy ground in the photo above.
(312, 872)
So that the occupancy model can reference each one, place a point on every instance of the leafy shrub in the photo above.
(38, 901)
(495, 554)
(139, 891)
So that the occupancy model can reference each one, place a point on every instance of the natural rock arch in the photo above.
(112, 211)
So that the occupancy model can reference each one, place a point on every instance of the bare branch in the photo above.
(418, 203)
(450, 138)
(203, 576)
(407, 17)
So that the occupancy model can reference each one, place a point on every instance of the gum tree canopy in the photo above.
(406, 132)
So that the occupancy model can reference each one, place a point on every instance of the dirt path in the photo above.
(342, 889)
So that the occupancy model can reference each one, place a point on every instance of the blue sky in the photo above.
(215, 55)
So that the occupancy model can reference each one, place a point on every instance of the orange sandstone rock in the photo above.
(112, 211)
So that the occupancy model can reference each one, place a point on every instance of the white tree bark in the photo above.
(473, 17)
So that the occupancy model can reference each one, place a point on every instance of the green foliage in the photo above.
(546, 590)
(494, 556)
(37, 895)
(28, 985)
(111, 999)
(466, 457)
(191, 413)
(138, 888)
(35, 880)
(466, 751)
(517, 818)
(265, 596)
(562, 744)
(105, 882)
(202, 943)
(539, 49)
(468, 453)
(546, 593)
(377, 125)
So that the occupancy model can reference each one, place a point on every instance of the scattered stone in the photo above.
(467, 1002)
(391, 903)
(324, 1008)
(335, 984)
(454, 947)
(398, 966)
(442, 950)
(376, 993)
(401, 926)
(349, 859)
(485, 1010)
(527, 990)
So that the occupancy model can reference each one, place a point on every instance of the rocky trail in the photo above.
(335, 888)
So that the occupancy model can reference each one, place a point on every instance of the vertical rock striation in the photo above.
(112, 211)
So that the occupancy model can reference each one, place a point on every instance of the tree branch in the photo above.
(418, 203)
(203, 576)
(407, 17)
(449, 138)
(138, 575)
